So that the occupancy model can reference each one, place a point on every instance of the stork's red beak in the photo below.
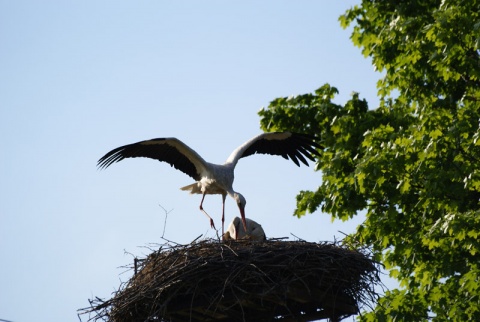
(242, 213)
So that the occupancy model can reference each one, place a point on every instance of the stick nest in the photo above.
(244, 281)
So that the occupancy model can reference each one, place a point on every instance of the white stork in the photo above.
(214, 178)
(236, 230)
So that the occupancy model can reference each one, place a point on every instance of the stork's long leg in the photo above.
(201, 208)
(223, 212)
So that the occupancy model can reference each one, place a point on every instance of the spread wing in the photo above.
(289, 145)
(169, 150)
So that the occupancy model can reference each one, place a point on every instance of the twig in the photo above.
(277, 238)
(300, 239)
(195, 240)
(165, 222)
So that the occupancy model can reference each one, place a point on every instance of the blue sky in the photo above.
(79, 78)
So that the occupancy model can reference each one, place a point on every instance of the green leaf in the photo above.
(412, 163)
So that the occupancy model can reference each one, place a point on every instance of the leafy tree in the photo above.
(412, 163)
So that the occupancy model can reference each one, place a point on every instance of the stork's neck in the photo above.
(237, 196)
(232, 193)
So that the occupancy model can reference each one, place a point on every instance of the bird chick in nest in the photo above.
(237, 231)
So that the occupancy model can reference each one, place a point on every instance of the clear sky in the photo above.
(79, 78)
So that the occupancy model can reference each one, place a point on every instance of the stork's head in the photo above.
(241, 202)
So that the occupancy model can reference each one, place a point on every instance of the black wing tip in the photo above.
(105, 161)
(116, 155)
(308, 147)
(305, 146)
(103, 164)
(312, 140)
(111, 157)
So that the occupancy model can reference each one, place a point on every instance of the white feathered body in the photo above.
(215, 179)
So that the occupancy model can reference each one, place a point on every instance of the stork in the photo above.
(214, 178)
(235, 230)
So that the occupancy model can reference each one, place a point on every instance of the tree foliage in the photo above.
(412, 163)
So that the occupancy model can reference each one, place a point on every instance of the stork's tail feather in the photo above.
(193, 188)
